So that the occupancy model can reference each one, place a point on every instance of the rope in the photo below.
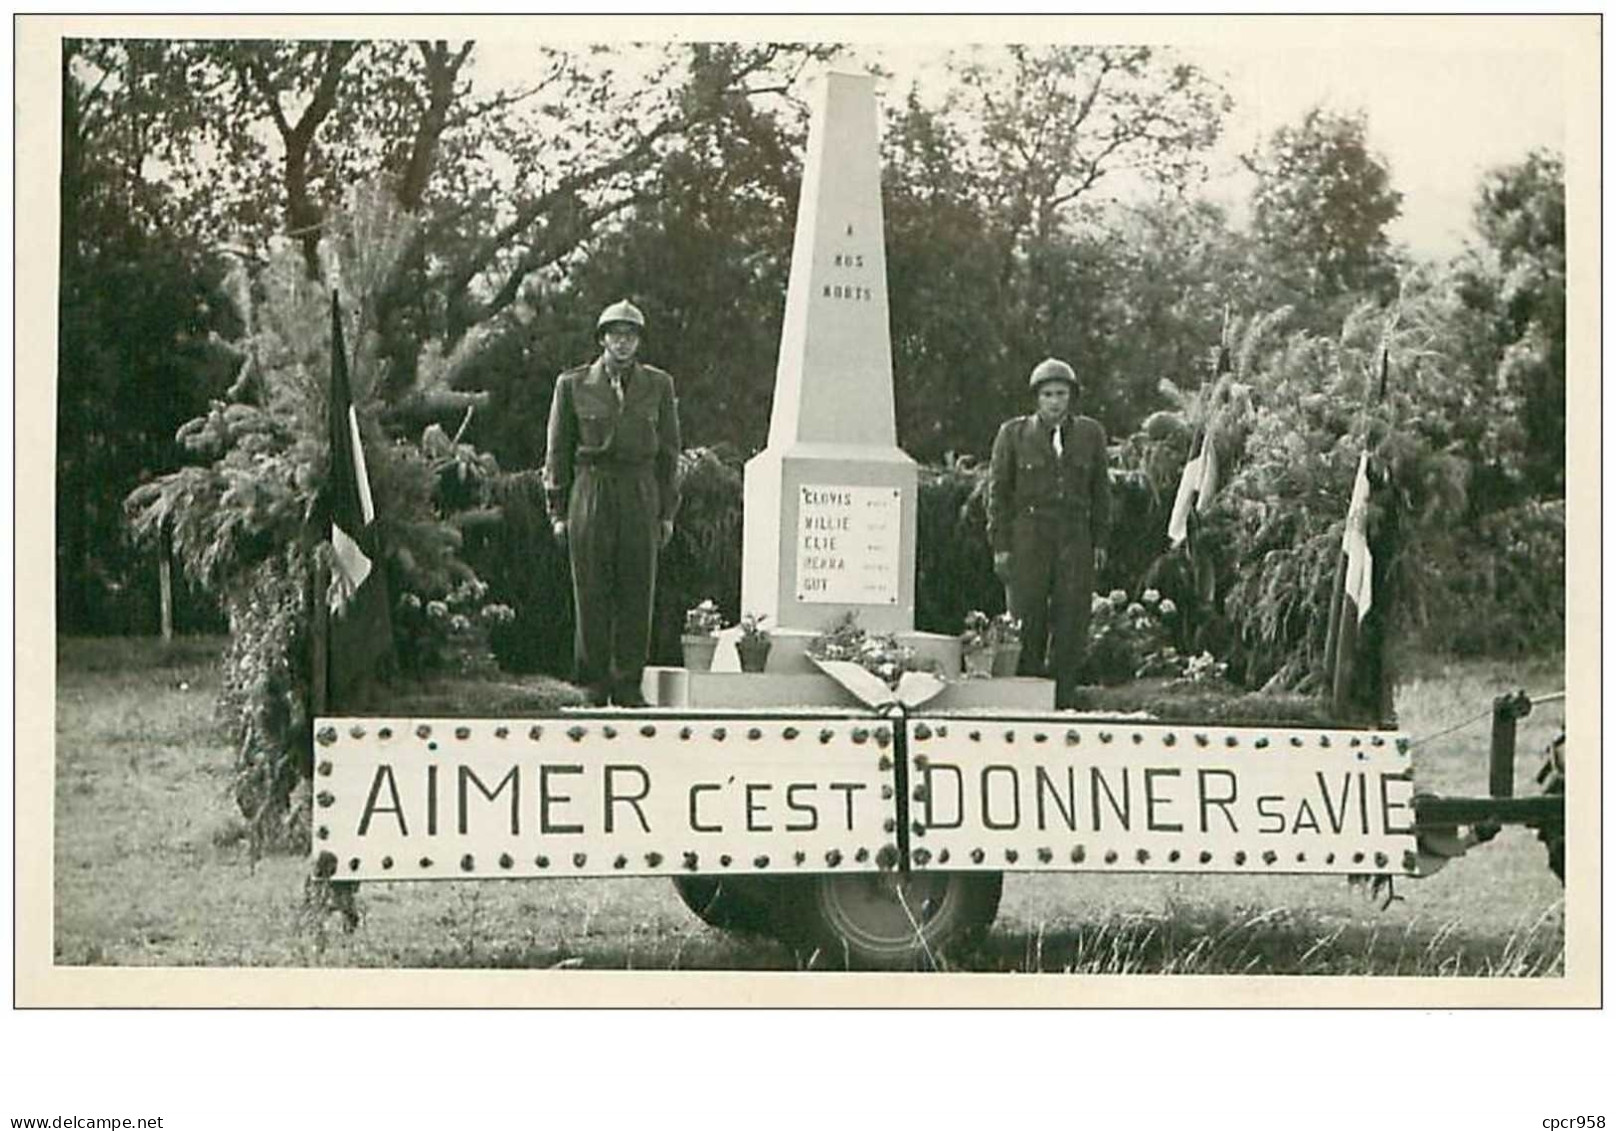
(1485, 712)
(1550, 697)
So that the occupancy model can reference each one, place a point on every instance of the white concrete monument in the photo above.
(830, 502)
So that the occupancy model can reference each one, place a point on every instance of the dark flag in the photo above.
(360, 627)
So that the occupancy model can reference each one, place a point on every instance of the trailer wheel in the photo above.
(738, 903)
(895, 921)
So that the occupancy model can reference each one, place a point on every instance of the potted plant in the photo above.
(976, 645)
(700, 639)
(1006, 636)
(753, 644)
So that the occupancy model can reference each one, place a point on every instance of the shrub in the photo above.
(1276, 526)
(248, 521)
(1499, 586)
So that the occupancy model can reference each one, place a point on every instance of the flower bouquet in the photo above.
(878, 653)
(1130, 639)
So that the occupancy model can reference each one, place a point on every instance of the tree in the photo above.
(994, 193)
(1319, 213)
(945, 286)
(1515, 283)
(140, 313)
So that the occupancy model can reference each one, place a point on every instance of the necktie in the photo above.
(617, 387)
(1060, 448)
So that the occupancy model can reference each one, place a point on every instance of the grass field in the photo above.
(152, 867)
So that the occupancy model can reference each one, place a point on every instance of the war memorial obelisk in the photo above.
(830, 502)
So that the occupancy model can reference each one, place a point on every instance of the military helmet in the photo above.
(1052, 369)
(621, 311)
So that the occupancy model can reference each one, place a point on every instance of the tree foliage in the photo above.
(1514, 286)
(998, 210)
(1319, 212)
(141, 318)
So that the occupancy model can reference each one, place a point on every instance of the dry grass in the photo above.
(153, 868)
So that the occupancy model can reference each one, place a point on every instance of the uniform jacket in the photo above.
(1027, 479)
(589, 427)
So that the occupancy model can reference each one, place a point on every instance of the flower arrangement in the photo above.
(978, 635)
(1006, 635)
(1129, 639)
(703, 619)
(978, 646)
(700, 639)
(752, 627)
(1006, 629)
(450, 632)
(878, 653)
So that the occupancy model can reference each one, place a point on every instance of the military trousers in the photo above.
(613, 534)
(1051, 586)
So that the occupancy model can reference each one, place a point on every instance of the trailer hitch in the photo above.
(1439, 819)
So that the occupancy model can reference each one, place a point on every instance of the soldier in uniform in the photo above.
(611, 490)
(1049, 514)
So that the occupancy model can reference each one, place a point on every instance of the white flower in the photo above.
(1168, 608)
(1119, 597)
(1136, 609)
(437, 609)
(1150, 596)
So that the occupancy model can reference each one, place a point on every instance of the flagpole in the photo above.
(1342, 640)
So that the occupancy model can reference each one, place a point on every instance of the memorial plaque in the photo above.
(848, 542)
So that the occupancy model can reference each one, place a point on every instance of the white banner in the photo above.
(609, 793)
(1007, 794)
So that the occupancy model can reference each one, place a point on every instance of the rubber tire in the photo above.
(745, 904)
(854, 923)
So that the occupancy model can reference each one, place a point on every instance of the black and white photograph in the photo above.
(884, 504)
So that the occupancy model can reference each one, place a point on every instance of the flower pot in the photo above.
(754, 654)
(699, 651)
(979, 664)
(1006, 657)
